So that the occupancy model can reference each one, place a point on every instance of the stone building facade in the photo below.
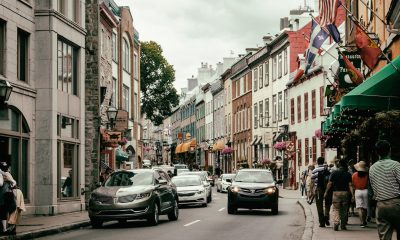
(241, 112)
(113, 79)
(42, 127)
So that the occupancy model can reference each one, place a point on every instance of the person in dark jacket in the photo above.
(340, 183)
(6, 183)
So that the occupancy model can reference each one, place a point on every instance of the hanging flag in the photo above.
(299, 74)
(367, 48)
(327, 12)
(355, 75)
(317, 38)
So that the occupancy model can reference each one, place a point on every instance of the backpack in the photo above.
(323, 178)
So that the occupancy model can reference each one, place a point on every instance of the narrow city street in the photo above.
(212, 222)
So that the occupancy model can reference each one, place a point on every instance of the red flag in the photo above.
(368, 49)
(355, 75)
(299, 74)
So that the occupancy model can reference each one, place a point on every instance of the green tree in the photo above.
(157, 76)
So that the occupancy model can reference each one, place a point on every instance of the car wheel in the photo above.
(174, 214)
(154, 216)
(218, 189)
(231, 208)
(96, 223)
(204, 204)
(275, 209)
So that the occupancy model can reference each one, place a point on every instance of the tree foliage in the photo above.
(157, 76)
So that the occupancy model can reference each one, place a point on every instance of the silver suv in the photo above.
(134, 194)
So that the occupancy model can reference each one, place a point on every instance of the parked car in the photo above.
(146, 163)
(253, 189)
(134, 194)
(166, 168)
(224, 182)
(191, 190)
(179, 166)
(203, 175)
(180, 171)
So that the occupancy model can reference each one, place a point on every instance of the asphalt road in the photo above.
(213, 222)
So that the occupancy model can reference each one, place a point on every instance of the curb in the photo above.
(48, 231)
(308, 230)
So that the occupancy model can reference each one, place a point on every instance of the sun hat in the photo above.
(361, 166)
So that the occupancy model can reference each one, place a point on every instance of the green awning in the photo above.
(379, 92)
(336, 110)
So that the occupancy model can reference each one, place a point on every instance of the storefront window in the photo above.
(68, 157)
(14, 145)
(68, 173)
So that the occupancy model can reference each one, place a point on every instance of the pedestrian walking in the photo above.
(385, 181)
(360, 184)
(351, 205)
(310, 186)
(7, 200)
(340, 183)
(15, 217)
(320, 175)
(303, 189)
(329, 195)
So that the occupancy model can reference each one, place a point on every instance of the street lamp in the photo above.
(112, 115)
(5, 91)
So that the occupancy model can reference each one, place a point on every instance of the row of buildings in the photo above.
(252, 110)
(68, 64)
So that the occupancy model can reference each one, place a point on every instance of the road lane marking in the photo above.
(191, 223)
(221, 209)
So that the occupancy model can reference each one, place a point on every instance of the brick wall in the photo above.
(92, 97)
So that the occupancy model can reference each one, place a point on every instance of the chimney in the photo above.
(284, 23)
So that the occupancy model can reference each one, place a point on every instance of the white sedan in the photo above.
(191, 190)
(223, 182)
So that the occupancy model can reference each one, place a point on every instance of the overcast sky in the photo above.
(195, 31)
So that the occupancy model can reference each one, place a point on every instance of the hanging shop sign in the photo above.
(121, 123)
(344, 75)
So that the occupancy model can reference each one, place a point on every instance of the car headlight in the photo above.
(143, 195)
(270, 190)
(200, 192)
(235, 189)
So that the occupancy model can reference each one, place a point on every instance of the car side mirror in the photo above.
(279, 181)
(206, 183)
(228, 180)
(162, 182)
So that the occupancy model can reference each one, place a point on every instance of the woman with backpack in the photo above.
(360, 183)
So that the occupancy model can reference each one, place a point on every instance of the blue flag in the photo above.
(317, 38)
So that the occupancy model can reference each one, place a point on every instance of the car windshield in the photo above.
(180, 166)
(227, 176)
(187, 181)
(182, 170)
(202, 175)
(254, 177)
(121, 179)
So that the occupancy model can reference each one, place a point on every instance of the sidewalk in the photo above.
(314, 232)
(37, 226)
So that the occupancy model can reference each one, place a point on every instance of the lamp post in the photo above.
(5, 91)
(112, 113)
